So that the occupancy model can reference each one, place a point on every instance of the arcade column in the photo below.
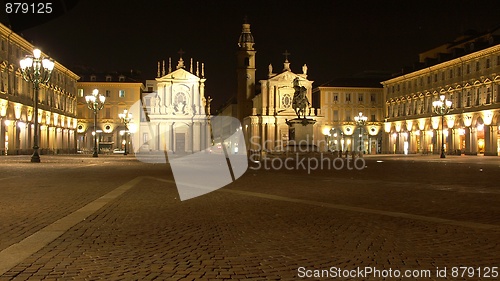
(490, 140)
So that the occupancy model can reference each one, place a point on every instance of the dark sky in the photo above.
(335, 38)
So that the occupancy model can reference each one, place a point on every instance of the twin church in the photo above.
(179, 115)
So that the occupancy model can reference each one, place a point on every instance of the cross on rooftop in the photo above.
(286, 54)
(181, 52)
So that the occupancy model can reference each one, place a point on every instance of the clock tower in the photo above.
(246, 72)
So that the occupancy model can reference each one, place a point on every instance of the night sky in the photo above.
(334, 38)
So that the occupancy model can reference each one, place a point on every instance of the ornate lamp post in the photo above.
(125, 117)
(36, 69)
(442, 107)
(360, 121)
(95, 102)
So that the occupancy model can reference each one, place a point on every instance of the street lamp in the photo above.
(36, 69)
(360, 121)
(125, 117)
(442, 107)
(95, 102)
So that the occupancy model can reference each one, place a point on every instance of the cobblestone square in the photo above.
(115, 218)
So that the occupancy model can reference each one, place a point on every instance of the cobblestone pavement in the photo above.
(114, 218)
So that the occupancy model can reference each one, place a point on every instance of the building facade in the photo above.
(175, 118)
(467, 73)
(267, 127)
(121, 92)
(341, 102)
(57, 109)
(264, 116)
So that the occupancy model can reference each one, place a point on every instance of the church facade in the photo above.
(264, 116)
(175, 119)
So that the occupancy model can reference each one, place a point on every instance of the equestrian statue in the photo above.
(300, 101)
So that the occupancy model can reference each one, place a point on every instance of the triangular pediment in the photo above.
(285, 76)
(179, 74)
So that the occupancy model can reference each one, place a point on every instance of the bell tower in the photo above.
(245, 71)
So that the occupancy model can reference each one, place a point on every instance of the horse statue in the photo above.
(300, 101)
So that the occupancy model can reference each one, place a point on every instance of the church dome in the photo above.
(246, 36)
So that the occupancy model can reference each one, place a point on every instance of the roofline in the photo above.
(99, 83)
(28, 46)
(443, 64)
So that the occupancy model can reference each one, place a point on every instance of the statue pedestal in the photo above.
(300, 135)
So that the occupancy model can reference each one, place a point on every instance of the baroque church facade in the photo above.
(175, 118)
(264, 116)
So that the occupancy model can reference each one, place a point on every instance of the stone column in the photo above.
(386, 143)
(263, 136)
(190, 138)
(490, 141)
(467, 140)
(265, 93)
(196, 137)
(423, 139)
(161, 139)
(470, 141)
(168, 94)
(201, 95)
(452, 140)
(473, 141)
(271, 139)
(254, 137)
(2, 136)
(170, 137)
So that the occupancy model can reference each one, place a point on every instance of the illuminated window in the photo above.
(121, 93)
(80, 93)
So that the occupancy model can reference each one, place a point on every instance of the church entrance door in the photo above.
(180, 142)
